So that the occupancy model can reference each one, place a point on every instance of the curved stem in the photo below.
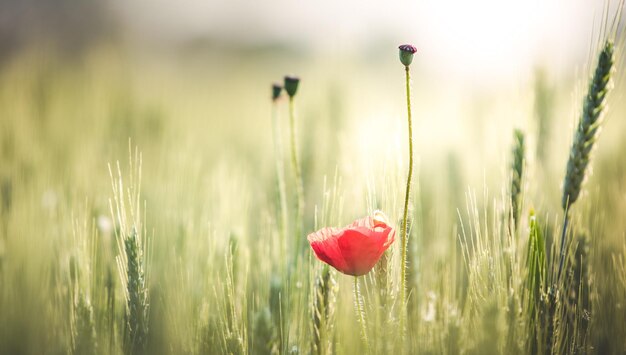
(298, 176)
(404, 230)
(360, 313)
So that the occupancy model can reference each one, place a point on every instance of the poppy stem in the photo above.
(404, 237)
(280, 176)
(360, 313)
(298, 175)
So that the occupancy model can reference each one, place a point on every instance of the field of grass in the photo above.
(141, 208)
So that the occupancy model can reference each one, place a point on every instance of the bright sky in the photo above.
(497, 37)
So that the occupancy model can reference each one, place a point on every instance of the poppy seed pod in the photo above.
(406, 54)
(291, 85)
(276, 91)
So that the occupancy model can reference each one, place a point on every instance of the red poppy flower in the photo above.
(355, 249)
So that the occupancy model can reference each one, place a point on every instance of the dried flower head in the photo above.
(406, 53)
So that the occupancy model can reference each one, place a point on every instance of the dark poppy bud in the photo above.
(276, 90)
(406, 54)
(291, 85)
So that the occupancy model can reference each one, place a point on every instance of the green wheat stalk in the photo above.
(131, 260)
(577, 302)
(586, 133)
(325, 285)
(517, 171)
(81, 271)
(360, 313)
(85, 341)
(110, 305)
(137, 301)
(517, 174)
(323, 310)
(535, 280)
(277, 310)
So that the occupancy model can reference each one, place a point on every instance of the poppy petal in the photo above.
(362, 248)
(324, 244)
(355, 249)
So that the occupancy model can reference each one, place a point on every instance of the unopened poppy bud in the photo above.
(406, 54)
(276, 91)
(291, 85)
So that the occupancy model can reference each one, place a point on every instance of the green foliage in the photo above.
(203, 262)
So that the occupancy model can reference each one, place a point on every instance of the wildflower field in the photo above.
(236, 200)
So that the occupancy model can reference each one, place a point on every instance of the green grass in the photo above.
(187, 249)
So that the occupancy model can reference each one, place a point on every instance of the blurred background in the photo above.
(188, 82)
(194, 77)
(212, 61)
(502, 38)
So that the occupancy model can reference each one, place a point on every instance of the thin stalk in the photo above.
(360, 313)
(280, 175)
(298, 175)
(404, 231)
(562, 252)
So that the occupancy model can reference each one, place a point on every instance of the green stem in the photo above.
(562, 253)
(280, 174)
(404, 230)
(298, 175)
(360, 313)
